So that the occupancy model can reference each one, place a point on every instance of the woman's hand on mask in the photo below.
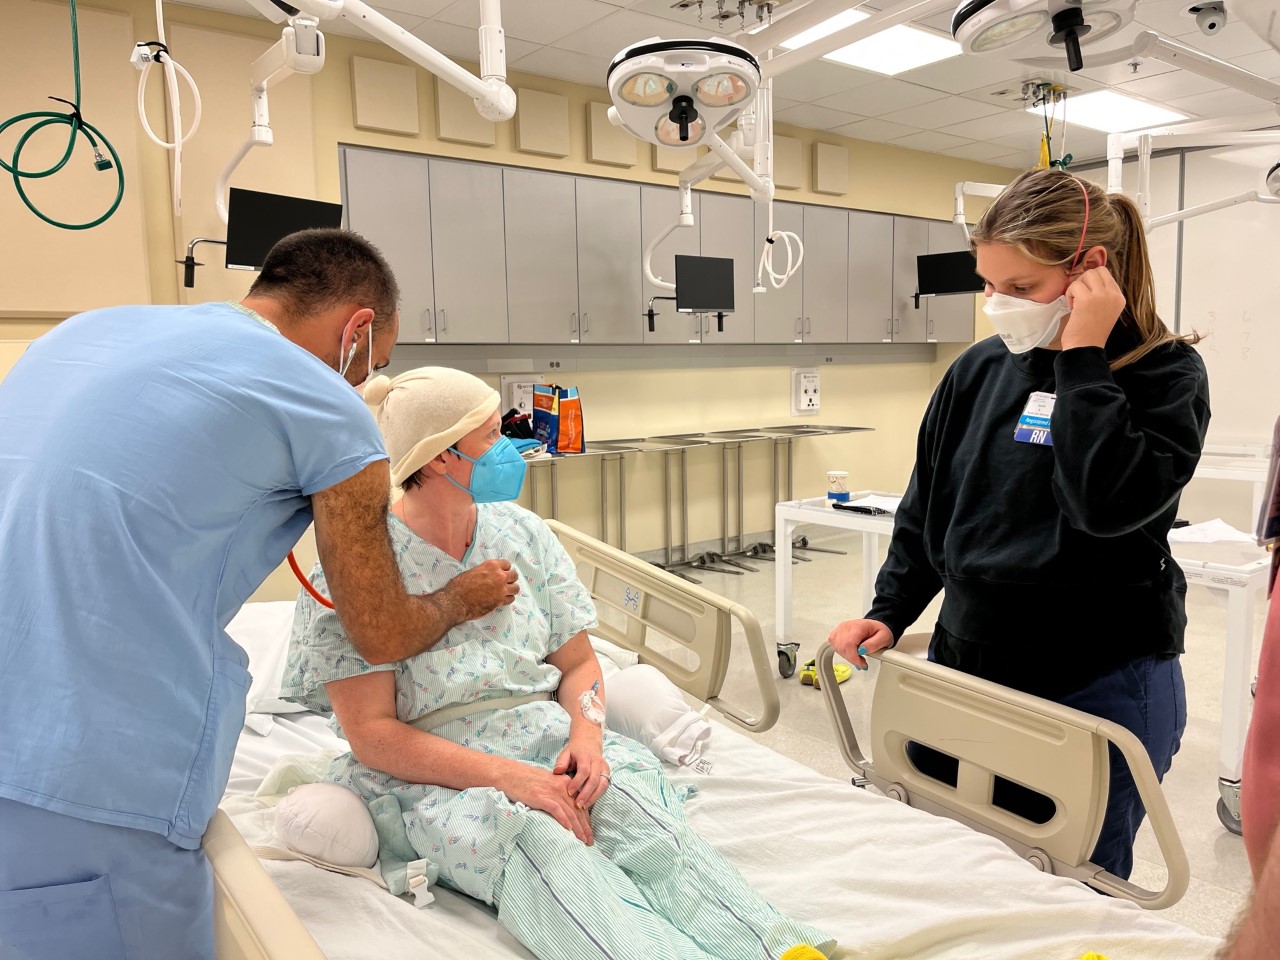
(1096, 302)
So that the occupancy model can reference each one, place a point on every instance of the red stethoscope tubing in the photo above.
(306, 584)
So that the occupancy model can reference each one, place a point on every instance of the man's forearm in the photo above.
(1258, 931)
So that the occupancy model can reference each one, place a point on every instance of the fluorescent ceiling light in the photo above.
(1113, 112)
(827, 27)
(897, 49)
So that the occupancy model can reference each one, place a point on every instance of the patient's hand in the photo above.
(484, 588)
(548, 792)
(854, 638)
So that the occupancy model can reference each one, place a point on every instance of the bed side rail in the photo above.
(251, 918)
(643, 598)
(992, 731)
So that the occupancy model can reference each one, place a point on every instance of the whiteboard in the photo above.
(1231, 289)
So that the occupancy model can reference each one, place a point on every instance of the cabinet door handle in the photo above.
(930, 327)
(808, 326)
(444, 322)
(428, 328)
(799, 329)
(888, 332)
(586, 323)
(573, 326)
(897, 325)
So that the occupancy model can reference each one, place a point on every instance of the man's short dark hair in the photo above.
(311, 271)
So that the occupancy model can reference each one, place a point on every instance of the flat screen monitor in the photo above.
(255, 221)
(938, 273)
(704, 284)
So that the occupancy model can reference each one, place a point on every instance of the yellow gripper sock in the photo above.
(802, 951)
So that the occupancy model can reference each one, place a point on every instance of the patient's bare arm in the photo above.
(384, 622)
(366, 708)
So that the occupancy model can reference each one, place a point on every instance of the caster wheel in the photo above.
(1227, 820)
(786, 663)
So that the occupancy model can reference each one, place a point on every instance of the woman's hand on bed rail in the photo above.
(549, 792)
(854, 639)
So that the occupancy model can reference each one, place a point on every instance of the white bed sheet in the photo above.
(888, 881)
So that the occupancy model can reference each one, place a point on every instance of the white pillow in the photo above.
(328, 822)
(263, 629)
(642, 703)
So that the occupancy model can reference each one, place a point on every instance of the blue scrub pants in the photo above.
(1148, 697)
(73, 888)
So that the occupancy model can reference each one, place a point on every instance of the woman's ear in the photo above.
(1094, 257)
(437, 465)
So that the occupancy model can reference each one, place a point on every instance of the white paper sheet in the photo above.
(1216, 530)
(878, 500)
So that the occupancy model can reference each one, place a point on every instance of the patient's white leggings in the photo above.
(650, 888)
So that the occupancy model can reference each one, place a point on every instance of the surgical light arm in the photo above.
(972, 189)
(301, 50)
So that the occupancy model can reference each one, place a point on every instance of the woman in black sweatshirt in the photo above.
(1047, 476)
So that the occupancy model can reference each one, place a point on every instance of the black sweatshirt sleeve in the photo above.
(1119, 464)
(908, 581)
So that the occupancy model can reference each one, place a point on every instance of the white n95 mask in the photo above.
(1025, 324)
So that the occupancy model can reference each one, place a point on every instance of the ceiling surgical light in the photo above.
(1021, 29)
(676, 92)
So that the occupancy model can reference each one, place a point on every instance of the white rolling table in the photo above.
(1240, 570)
(786, 517)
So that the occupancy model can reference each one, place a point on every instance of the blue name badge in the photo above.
(1033, 425)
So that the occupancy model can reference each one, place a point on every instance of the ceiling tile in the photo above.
(1124, 72)
(1166, 87)
(1264, 64)
(929, 140)
(1218, 103)
(878, 130)
(781, 103)
(463, 43)
(619, 30)
(981, 152)
(1082, 143)
(420, 8)
(538, 21)
(941, 113)
(409, 21)
(565, 65)
(707, 26)
(815, 117)
(1235, 40)
(881, 97)
(961, 74)
(1006, 124)
(939, 21)
(813, 81)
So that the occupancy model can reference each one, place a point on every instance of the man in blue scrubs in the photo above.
(156, 463)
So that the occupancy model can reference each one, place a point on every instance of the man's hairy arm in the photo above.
(384, 622)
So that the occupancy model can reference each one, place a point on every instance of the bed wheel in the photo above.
(1224, 816)
(1040, 860)
(787, 658)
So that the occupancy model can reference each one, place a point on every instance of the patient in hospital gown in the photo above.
(648, 886)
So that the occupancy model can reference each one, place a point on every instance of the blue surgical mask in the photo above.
(497, 475)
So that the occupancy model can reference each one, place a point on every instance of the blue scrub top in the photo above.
(156, 465)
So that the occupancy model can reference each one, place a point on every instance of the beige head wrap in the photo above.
(425, 411)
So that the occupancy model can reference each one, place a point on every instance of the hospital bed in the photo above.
(888, 881)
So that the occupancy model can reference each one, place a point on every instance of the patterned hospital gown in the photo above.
(469, 834)
(650, 888)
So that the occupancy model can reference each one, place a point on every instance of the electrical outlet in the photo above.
(805, 391)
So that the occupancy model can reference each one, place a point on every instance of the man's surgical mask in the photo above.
(1025, 324)
(497, 475)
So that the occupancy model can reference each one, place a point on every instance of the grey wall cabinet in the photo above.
(728, 230)
(780, 313)
(469, 252)
(910, 240)
(542, 257)
(826, 275)
(609, 298)
(870, 277)
(397, 222)
(950, 317)
(660, 206)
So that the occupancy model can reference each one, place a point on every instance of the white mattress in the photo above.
(886, 880)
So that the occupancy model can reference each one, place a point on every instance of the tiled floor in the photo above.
(825, 591)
